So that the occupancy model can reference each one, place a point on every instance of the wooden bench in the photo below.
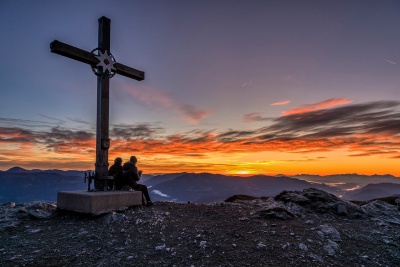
(91, 176)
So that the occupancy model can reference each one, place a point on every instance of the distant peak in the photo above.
(17, 169)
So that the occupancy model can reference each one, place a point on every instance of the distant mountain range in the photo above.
(349, 181)
(372, 191)
(22, 186)
(206, 187)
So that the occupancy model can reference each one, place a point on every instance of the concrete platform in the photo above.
(97, 202)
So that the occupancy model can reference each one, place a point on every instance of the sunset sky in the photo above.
(232, 87)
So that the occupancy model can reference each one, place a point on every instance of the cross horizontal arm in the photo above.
(89, 58)
(129, 72)
(73, 52)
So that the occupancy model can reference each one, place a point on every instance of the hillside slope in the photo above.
(296, 228)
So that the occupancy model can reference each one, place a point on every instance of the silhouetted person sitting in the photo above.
(116, 171)
(131, 177)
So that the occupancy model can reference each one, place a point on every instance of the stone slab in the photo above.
(97, 202)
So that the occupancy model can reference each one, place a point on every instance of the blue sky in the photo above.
(211, 66)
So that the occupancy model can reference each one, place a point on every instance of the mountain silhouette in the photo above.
(207, 187)
(373, 191)
(22, 186)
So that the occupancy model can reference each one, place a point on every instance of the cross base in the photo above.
(97, 202)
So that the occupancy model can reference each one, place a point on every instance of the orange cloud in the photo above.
(366, 131)
(317, 106)
(254, 117)
(280, 103)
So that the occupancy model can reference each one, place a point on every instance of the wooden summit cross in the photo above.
(104, 66)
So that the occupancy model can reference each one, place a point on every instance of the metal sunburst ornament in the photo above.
(106, 62)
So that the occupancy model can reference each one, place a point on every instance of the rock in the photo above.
(364, 257)
(35, 210)
(341, 210)
(378, 206)
(315, 257)
(34, 231)
(292, 196)
(22, 210)
(39, 214)
(329, 250)
(286, 245)
(113, 217)
(203, 244)
(331, 247)
(261, 245)
(303, 247)
(162, 247)
(383, 212)
(8, 223)
(46, 206)
(316, 195)
(275, 210)
(328, 232)
(317, 200)
(239, 197)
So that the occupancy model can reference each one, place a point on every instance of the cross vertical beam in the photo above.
(103, 97)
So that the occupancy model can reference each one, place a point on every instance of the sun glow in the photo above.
(242, 172)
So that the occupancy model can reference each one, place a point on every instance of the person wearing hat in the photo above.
(132, 176)
(116, 171)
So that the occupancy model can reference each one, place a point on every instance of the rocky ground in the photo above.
(296, 228)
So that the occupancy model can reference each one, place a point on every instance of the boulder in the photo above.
(320, 201)
(273, 209)
(292, 196)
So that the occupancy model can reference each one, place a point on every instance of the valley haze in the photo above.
(21, 186)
